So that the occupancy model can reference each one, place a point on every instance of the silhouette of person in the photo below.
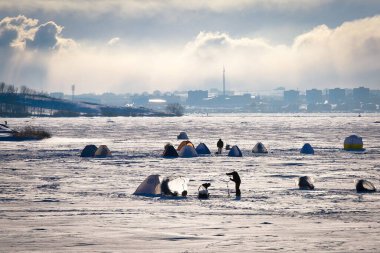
(236, 179)
(220, 145)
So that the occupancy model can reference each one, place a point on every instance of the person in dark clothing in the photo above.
(220, 145)
(236, 179)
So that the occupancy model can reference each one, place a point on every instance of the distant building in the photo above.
(361, 94)
(89, 98)
(171, 98)
(337, 96)
(140, 100)
(314, 96)
(196, 97)
(58, 95)
(291, 96)
(238, 100)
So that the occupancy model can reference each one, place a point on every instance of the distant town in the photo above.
(24, 102)
(280, 100)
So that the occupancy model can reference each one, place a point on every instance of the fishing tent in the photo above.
(202, 149)
(235, 151)
(174, 186)
(103, 151)
(182, 136)
(150, 186)
(353, 142)
(305, 183)
(170, 151)
(184, 143)
(365, 186)
(307, 149)
(188, 151)
(259, 148)
(89, 151)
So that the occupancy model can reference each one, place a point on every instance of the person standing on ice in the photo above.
(220, 145)
(236, 179)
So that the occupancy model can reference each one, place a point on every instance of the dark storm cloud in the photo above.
(25, 45)
(45, 37)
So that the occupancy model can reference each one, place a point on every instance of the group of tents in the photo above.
(94, 151)
(155, 185)
(362, 185)
(351, 143)
(187, 149)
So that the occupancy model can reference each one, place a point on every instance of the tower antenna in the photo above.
(72, 91)
(224, 82)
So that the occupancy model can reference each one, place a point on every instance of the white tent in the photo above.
(259, 148)
(188, 151)
(175, 186)
(150, 186)
(202, 149)
(235, 151)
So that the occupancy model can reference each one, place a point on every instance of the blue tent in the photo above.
(202, 149)
(235, 151)
(307, 149)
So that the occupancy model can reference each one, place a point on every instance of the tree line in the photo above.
(22, 102)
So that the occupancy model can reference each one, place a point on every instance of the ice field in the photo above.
(52, 200)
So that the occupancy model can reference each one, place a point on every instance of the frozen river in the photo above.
(53, 200)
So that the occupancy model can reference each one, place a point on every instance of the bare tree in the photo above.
(175, 108)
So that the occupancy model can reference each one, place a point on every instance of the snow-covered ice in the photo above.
(51, 199)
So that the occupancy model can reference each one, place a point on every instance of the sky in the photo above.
(134, 46)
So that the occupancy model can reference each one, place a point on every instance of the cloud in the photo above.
(113, 41)
(136, 8)
(15, 30)
(45, 36)
(27, 48)
(347, 50)
(25, 33)
(324, 57)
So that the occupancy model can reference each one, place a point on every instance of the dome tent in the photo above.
(170, 151)
(155, 185)
(353, 143)
(188, 151)
(174, 186)
(305, 183)
(259, 148)
(89, 151)
(202, 149)
(307, 149)
(235, 151)
(182, 136)
(103, 151)
(184, 143)
(365, 186)
(151, 186)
